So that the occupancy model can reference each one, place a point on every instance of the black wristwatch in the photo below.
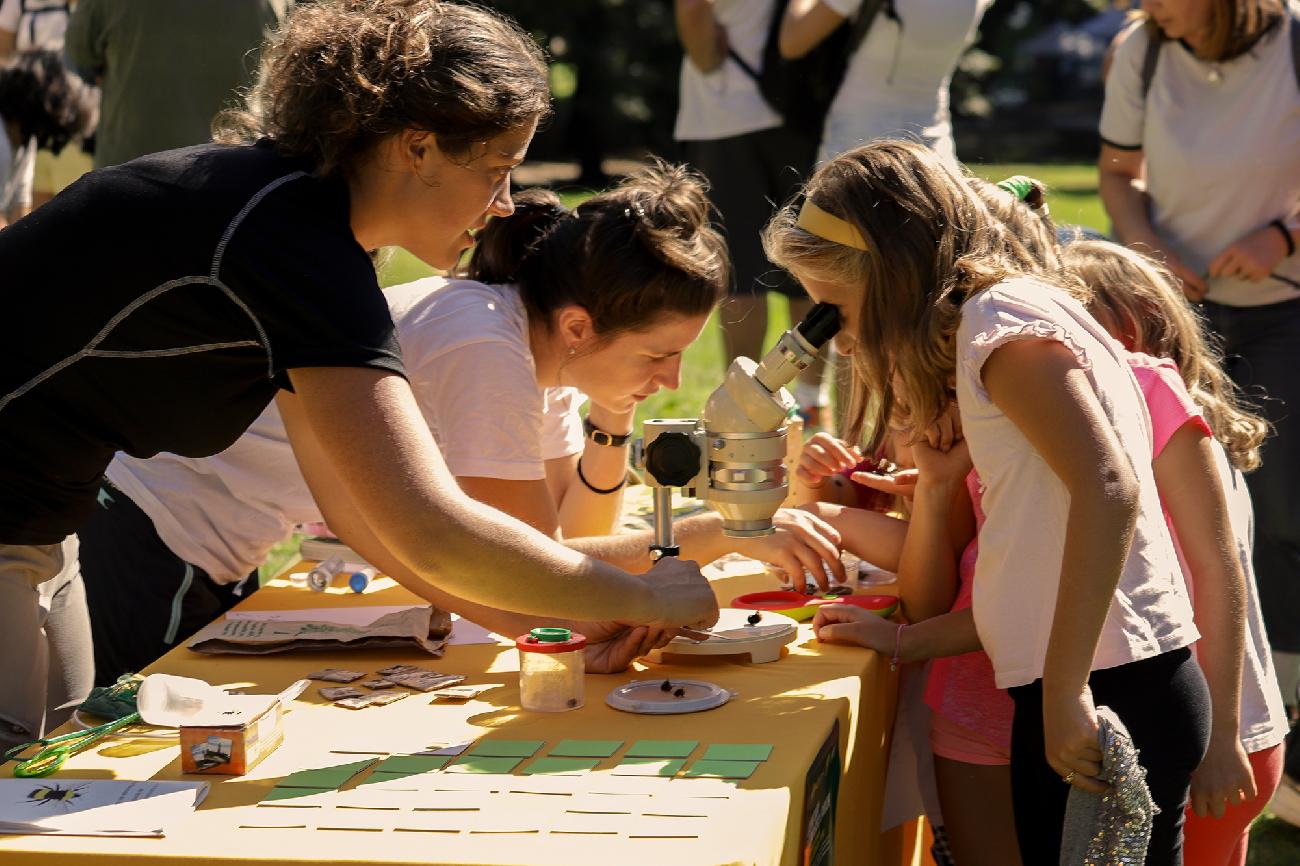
(600, 437)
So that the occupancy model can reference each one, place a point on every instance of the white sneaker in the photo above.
(1286, 801)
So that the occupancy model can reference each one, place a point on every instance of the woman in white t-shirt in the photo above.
(1079, 600)
(896, 84)
(1200, 166)
(559, 307)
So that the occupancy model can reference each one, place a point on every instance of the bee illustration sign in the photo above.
(820, 797)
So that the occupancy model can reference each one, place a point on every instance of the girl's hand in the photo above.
(942, 467)
(1070, 732)
(900, 482)
(946, 431)
(843, 623)
(1253, 257)
(1224, 778)
(803, 542)
(823, 455)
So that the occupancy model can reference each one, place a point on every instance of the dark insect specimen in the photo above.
(754, 618)
(665, 686)
(679, 693)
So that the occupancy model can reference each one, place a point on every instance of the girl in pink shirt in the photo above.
(1203, 441)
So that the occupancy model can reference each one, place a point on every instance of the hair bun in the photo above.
(503, 245)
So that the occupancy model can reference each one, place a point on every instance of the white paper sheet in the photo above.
(95, 807)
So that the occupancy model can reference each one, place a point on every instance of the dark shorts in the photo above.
(143, 598)
(1261, 348)
(750, 176)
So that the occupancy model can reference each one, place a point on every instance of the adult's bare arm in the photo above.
(805, 25)
(703, 39)
(1119, 181)
(383, 470)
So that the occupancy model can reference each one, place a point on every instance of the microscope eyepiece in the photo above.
(821, 323)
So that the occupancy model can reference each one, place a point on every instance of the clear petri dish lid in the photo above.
(649, 697)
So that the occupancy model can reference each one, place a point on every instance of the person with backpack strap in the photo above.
(754, 160)
(1200, 165)
(900, 62)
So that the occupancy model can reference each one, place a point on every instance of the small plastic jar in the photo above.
(551, 670)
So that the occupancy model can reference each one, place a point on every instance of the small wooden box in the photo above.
(250, 729)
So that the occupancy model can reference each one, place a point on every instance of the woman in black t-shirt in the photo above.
(161, 304)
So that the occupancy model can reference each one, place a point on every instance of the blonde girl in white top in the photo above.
(1079, 599)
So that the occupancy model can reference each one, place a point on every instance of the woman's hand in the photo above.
(823, 455)
(684, 595)
(612, 646)
(803, 542)
(1251, 258)
(1193, 284)
(844, 623)
(1223, 779)
(1071, 736)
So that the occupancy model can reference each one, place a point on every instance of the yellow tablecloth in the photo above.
(792, 703)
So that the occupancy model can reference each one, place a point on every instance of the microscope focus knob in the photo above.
(673, 459)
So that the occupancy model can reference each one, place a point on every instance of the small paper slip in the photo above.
(95, 807)
(464, 632)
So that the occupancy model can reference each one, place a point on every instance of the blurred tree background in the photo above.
(1029, 89)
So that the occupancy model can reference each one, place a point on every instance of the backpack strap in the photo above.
(861, 26)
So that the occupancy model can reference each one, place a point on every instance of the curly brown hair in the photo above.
(341, 75)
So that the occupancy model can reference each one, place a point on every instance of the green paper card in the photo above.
(737, 752)
(484, 764)
(325, 777)
(506, 748)
(412, 764)
(279, 793)
(586, 748)
(662, 748)
(649, 767)
(722, 769)
(561, 766)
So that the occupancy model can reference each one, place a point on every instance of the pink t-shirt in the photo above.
(961, 688)
(1263, 720)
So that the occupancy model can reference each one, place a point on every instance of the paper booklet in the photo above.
(420, 626)
(95, 807)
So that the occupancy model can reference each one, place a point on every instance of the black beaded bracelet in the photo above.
(1286, 234)
(603, 492)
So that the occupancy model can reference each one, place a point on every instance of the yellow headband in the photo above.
(816, 221)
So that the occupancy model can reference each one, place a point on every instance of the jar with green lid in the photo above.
(551, 670)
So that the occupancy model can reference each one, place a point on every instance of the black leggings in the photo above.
(1164, 704)
(143, 598)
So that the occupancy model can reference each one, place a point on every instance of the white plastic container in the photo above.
(551, 670)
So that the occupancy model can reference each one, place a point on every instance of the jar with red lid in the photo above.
(551, 670)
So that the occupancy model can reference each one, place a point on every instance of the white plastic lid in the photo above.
(651, 698)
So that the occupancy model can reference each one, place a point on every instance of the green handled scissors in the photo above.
(54, 751)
